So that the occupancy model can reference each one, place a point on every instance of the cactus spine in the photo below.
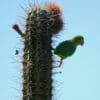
(41, 24)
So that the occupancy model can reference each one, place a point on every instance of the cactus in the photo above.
(41, 23)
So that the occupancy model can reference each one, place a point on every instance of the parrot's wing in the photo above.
(65, 49)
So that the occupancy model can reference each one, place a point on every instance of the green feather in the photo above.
(65, 49)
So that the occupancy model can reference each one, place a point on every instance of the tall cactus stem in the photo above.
(41, 23)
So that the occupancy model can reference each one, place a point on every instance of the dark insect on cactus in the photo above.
(41, 23)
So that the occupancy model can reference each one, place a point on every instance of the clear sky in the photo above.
(80, 78)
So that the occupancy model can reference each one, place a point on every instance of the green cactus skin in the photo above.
(37, 58)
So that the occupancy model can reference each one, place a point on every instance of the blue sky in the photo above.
(80, 76)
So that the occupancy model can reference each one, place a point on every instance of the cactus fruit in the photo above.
(41, 23)
(55, 12)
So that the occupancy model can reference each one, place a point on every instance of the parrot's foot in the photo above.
(17, 29)
(60, 63)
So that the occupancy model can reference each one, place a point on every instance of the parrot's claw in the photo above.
(60, 63)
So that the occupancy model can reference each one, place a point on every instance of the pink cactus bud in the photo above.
(17, 29)
(15, 26)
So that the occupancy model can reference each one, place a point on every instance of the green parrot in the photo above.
(67, 48)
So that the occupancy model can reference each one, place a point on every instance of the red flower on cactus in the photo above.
(56, 20)
(54, 8)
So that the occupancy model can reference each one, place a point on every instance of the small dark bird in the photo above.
(16, 52)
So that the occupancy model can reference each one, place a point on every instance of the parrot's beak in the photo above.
(82, 42)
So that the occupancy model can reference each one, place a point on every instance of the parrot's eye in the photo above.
(82, 42)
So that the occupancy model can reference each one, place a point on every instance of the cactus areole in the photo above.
(41, 23)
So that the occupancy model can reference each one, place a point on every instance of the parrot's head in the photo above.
(78, 40)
